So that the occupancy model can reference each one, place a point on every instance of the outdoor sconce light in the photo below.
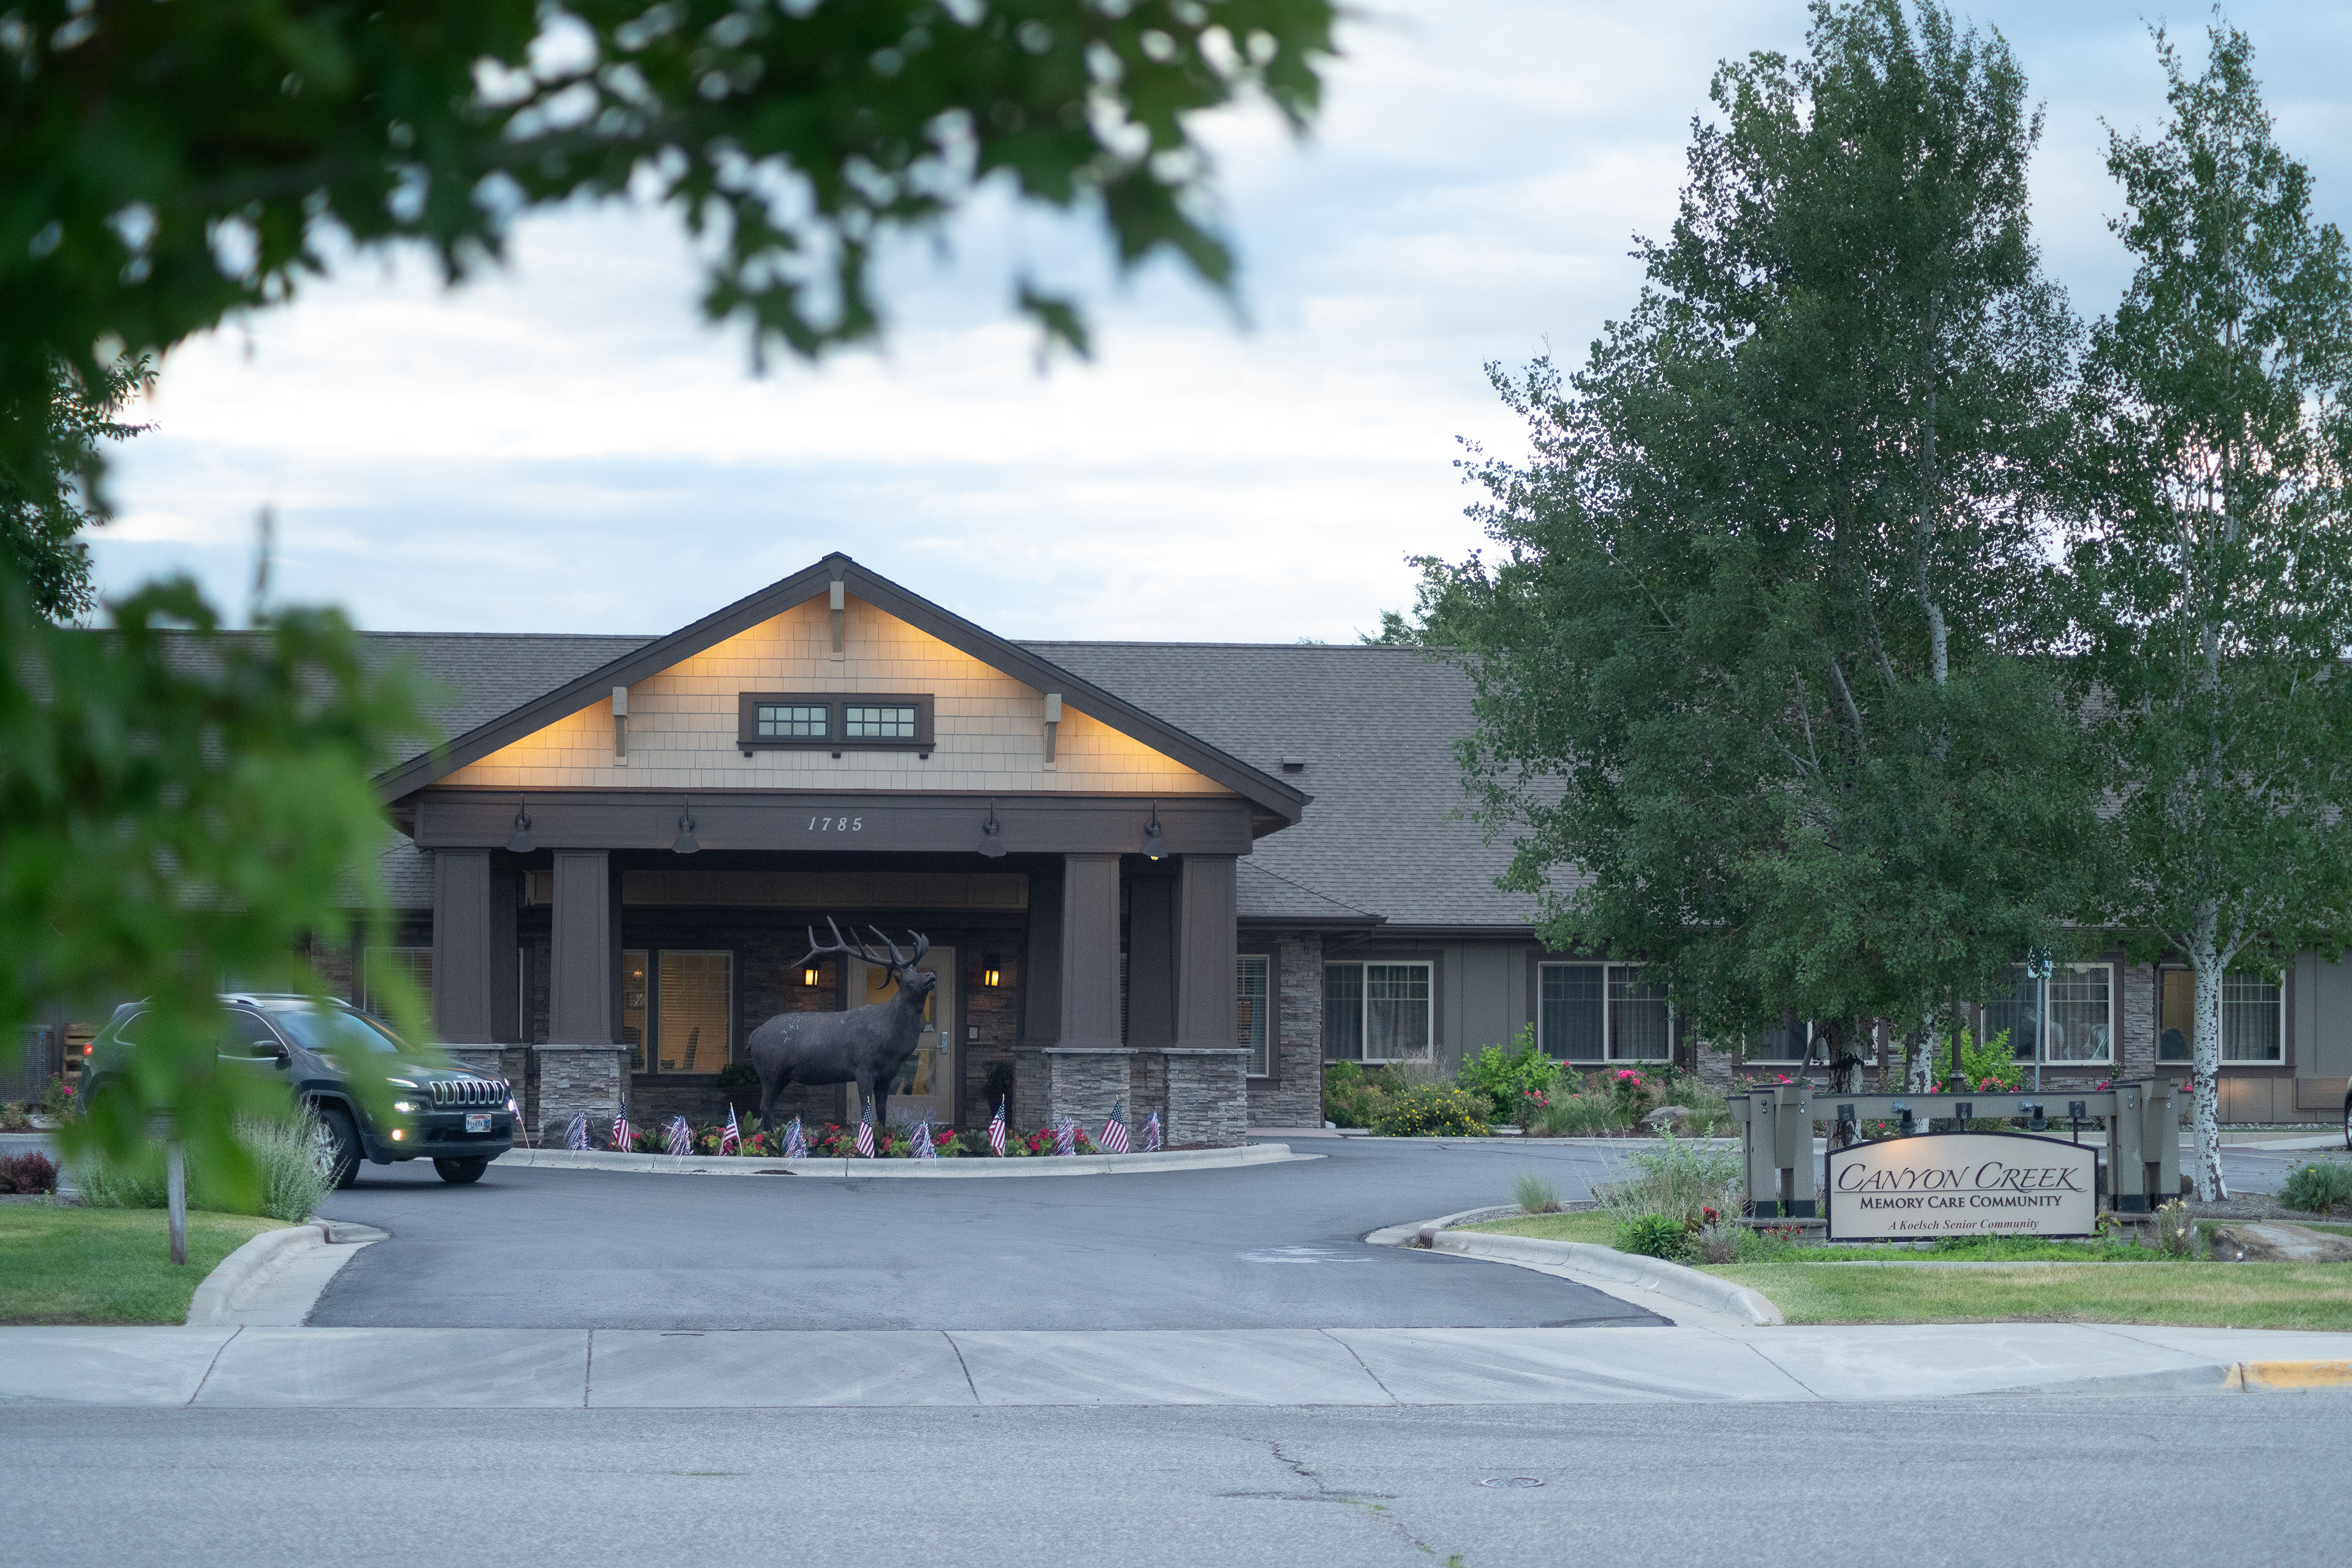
(991, 977)
(992, 834)
(521, 843)
(686, 844)
(808, 976)
(1904, 1123)
(1155, 844)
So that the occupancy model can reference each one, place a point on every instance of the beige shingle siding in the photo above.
(987, 727)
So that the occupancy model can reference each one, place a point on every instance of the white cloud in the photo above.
(565, 446)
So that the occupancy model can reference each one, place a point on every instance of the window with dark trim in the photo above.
(1378, 1012)
(1252, 1007)
(834, 722)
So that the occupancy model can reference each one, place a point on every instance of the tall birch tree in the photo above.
(1756, 687)
(2214, 564)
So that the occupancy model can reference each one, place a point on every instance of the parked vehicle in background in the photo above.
(459, 1121)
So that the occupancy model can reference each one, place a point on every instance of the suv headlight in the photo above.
(406, 1107)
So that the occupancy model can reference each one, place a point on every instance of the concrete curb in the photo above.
(210, 1305)
(1655, 1274)
(963, 1166)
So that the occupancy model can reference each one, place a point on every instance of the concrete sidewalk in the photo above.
(258, 1367)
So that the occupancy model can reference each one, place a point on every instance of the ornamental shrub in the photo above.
(1653, 1235)
(1352, 1095)
(1432, 1113)
(2317, 1187)
(31, 1172)
(738, 1075)
(1577, 1116)
(291, 1186)
(1535, 1193)
(1507, 1079)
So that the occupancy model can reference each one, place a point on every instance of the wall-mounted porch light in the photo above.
(990, 976)
(1155, 843)
(992, 834)
(685, 843)
(808, 977)
(522, 842)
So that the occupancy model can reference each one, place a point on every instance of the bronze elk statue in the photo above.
(865, 1045)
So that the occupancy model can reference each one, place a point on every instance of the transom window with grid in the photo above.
(1601, 1012)
(793, 720)
(1377, 1012)
(863, 722)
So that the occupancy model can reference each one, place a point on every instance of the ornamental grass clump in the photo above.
(2318, 1186)
(1535, 1193)
(1577, 1116)
(1431, 1111)
(290, 1188)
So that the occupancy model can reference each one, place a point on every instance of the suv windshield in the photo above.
(338, 1031)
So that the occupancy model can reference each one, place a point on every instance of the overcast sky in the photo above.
(567, 446)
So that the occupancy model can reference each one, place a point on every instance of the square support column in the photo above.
(1090, 1019)
(1073, 1063)
(1205, 956)
(473, 997)
(583, 960)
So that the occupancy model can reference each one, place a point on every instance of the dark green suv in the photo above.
(458, 1121)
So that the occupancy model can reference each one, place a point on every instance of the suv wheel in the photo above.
(334, 1146)
(457, 1172)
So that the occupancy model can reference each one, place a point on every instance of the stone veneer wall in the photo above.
(1293, 1097)
(1053, 1082)
(1208, 1098)
(995, 1012)
(593, 1078)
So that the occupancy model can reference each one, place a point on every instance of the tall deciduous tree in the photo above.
(50, 491)
(1757, 691)
(2215, 568)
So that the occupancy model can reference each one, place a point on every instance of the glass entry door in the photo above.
(925, 1088)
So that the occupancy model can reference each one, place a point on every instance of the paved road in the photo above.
(1253, 1248)
(2153, 1482)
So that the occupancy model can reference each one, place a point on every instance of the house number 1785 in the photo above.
(837, 824)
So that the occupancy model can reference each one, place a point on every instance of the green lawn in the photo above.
(62, 1265)
(1817, 1285)
(2217, 1295)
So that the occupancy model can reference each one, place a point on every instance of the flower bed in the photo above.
(834, 1140)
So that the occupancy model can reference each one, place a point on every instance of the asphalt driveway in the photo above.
(1250, 1248)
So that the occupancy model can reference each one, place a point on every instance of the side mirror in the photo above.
(274, 1054)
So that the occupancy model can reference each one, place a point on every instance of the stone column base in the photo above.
(512, 1063)
(572, 1078)
(1078, 1082)
(1207, 1096)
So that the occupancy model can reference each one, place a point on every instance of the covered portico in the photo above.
(1091, 928)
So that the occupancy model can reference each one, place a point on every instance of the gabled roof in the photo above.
(633, 664)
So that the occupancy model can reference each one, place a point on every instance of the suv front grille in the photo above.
(491, 1091)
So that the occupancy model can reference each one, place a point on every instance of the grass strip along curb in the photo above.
(1657, 1275)
(60, 1264)
(964, 1166)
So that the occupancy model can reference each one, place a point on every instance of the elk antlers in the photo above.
(859, 949)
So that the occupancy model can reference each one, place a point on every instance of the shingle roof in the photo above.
(1384, 835)
(1377, 726)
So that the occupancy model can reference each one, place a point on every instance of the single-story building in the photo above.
(1180, 877)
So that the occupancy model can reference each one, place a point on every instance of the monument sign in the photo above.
(1962, 1183)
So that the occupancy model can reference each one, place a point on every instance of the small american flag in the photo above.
(732, 1138)
(996, 1129)
(576, 1135)
(681, 1137)
(621, 1133)
(796, 1142)
(1065, 1137)
(1114, 1134)
(866, 1130)
(923, 1149)
(1152, 1134)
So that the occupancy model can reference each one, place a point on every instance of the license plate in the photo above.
(477, 1122)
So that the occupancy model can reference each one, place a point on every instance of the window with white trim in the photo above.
(1253, 1027)
(1377, 1012)
(1601, 1012)
(2074, 1021)
(2253, 1016)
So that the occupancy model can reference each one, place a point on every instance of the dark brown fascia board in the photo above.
(1260, 789)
